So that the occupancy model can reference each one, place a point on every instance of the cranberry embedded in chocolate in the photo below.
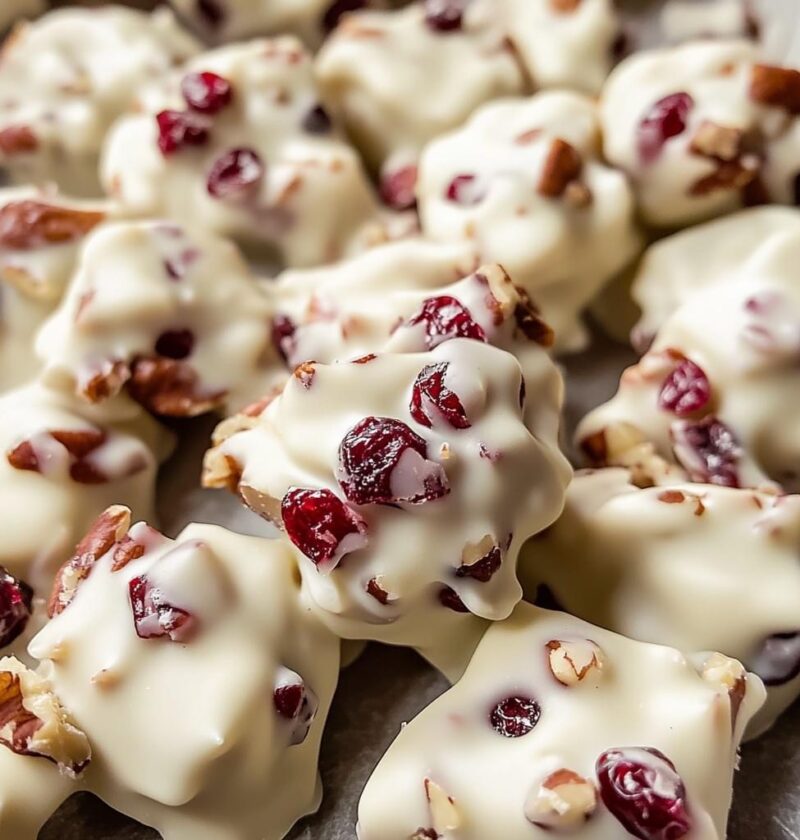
(444, 15)
(334, 12)
(235, 174)
(317, 121)
(466, 190)
(177, 129)
(296, 703)
(398, 188)
(432, 401)
(483, 569)
(322, 526)
(381, 461)
(667, 118)
(515, 716)
(778, 661)
(444, 318)
(154, 617)
(175, 344)
(206, 92)
(708, 450)
(642, 789)
(16, 606)
(283, 330)
(686, 390)
(449, 598)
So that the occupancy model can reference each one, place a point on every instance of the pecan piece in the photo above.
(170, 387)
(729, 175)
(530, 323)
(562, 166)
(17, 140)
(33, 224)
(778, 87)
(564, 6)
(717, 141)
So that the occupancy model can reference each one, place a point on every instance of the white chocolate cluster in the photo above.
(693, 566)
(238, 143)
(408, 483)
(199, 676)
(523, 182)
(560, 726)
(65, 78)
(715, 399)
(703, 129)
(400, 78)
(173, 316)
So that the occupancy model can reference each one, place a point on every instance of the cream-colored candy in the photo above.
(467, 482)
(61, 464)
(522, 181)
(399, 81)
(563, 43)
(512, 752)
(15, 10)
(173, 315)
(734, 421)
(67, 77)
(301, 192)
(732, 138)
(694, 566)
(179, 666)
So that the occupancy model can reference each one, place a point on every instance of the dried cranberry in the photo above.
(641, 788)
(289, 700)
(374, 589)
(317, 121)
(444, 15)
(483, 569)
(210, 11)
(16, 606)
(666, 118)
(177, 129)
(449, 598)
(154, 616)
(235, 174)
(175, 344)
(778, 661)
(398, 188)
(432, 401)
(708, 450)
(515, 716)
(466, 190)
(283, 330)
(322, 526)
(444, 318)
(382, 461)
(686, 390)
(334, 13)
(206, 92)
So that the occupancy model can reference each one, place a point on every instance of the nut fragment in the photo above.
(503, 295)
(717, 141)
(221, 471)
(731, 675)
(562, 166)
(170, 387)
(32, 224)
(729, 175)
(574, 661)
(17, 140)
(564, 6)
(444, 814)
(563, 801)
(776, 86)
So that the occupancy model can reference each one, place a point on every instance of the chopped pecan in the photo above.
(126, 550)
(221, 471)
(18, 140)
(109, 528)
(33, 224)
(564, 6)
(305, 373)
(562, 166)
(717, 141)
(729, 175)
(530, 323)
(776, 86)
(107, 382)
(170, 387)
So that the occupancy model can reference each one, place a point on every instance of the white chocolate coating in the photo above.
(67, 77)
(505, 483)
(563, 43)
(172, 314)
(15, 10)
(744, 334)
(311, 202)
(399, 82)
(540, 202)
(48, 501)
(631, 695)
(187, 736)
(729, 150)
(693, 566)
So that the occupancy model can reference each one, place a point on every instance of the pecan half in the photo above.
(33, 224)
(562, 166)
(776, 86)
(170, 387)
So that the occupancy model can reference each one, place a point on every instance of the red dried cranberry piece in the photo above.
(235, 174)
(641, 788)
(708, 450)
(16, 606)
(466, 190)
(398, 188)
(206, 92)
(483, 569)
(317, 121)
(381, 461)
(177, 129)
(175, 344)
(515, 716)
(432, 401)
(686, 390)
(210, 11)
(374, 589)
(449, 598)
(154, 616)
(296, 703)
(666, 118)
(283, 330)
(334, 12)
(778, 661)
(444, 15)
(322, 526)
(444, 318)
